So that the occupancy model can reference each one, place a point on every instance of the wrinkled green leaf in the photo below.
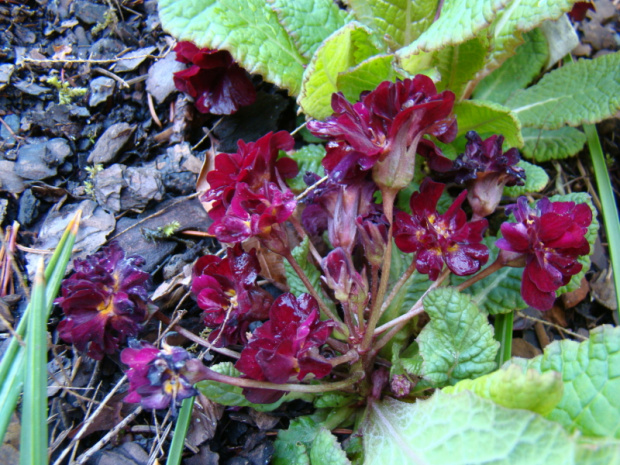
(458, 342)
(535, 181)
(366, 76)
(597, 452)
(309, 22)
(459, 429)
(591, 235)
(347, 47)
(308, 158)
(591, 375)
(586, 91)
(249, 30)
(488, 118)
(544, 145)
(517, 72)
(291, 446)
(459, 21)
(398, 21)
(513, 387)
(326, 450)
(226, 394)
(333, 400)
(499, 292)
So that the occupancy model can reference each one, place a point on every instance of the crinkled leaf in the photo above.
(544, 145)
(366, 76)
(333, 400)
(591, 235)
(226, 394)
(501, 291)
(347, 47)
(513, 387)
(517, 72)
(591, 375)
(561, 37)
(519, 17)
(488, 118)
(535, 181)
(249, 30)
(597, 452)
(308, 158)
(291, 446)
(326, 450)
(458, 342)
(295, 284)
(459, 429)
(587, 91)
(309, 22)
(399, 21)
(459, 21)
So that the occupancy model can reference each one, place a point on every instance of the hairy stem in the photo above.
(489, 270)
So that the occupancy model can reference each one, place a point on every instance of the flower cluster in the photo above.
(438, 238)
(214, 80)
(548, 239)
(486, 169)
(248, 193)
(104, 301)
(158, 378)
(286, 346)
(227, 292)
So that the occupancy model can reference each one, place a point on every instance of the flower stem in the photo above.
(489, 270)
(324, 308)
(503, 334)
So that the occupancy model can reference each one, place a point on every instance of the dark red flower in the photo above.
(349, 286)
(384, 129)
(579, 10)
(439, 238)
(254, 164)
(373, 228)
(286, 346)
(227, 292)
(217, 84)
(256, 214)
(485, 168)
(158, 378)
(548, 239)
(104, 301)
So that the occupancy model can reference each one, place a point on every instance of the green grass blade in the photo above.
(33, 442)
(10, 391)
(180, 431)
(503, 334)
(608, 204)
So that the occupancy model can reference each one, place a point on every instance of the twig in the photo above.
(110, 74)
(311, 188)
(84, 60)
(10, 130)
(553, 325)
(149, 100)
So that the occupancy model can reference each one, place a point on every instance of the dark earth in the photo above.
(90, 119)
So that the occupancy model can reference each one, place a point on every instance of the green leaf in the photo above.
(517, 72)
(333, 400)
(513, 387)
(326, 450)
(309, 22)
(460, 20)
(458, 342)
(597, 452)
(291, 446)
(175, 453)
(295, 284)
(347, 47)
(501, 291)
(587, 91)
(521, 16)
(459, 429)
(399, 22)
(227, 394)
(591, 235)
(591, 375)
(544, 145)
(535, 181)
(366, 76)
(488, 118)
(249, 30)
(308, 158)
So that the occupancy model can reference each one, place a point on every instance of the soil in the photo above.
(90, 119)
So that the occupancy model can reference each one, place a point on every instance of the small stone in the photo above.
(90, 13)
(110, 143)
(108, 185)
(101, 89)
(143, 185)
(31, 88)
(12, 121)
(58, 150)
(160, 83)
(31, 162)
(132, 60)
(28, 208)
(9, 180)
(6, 71)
